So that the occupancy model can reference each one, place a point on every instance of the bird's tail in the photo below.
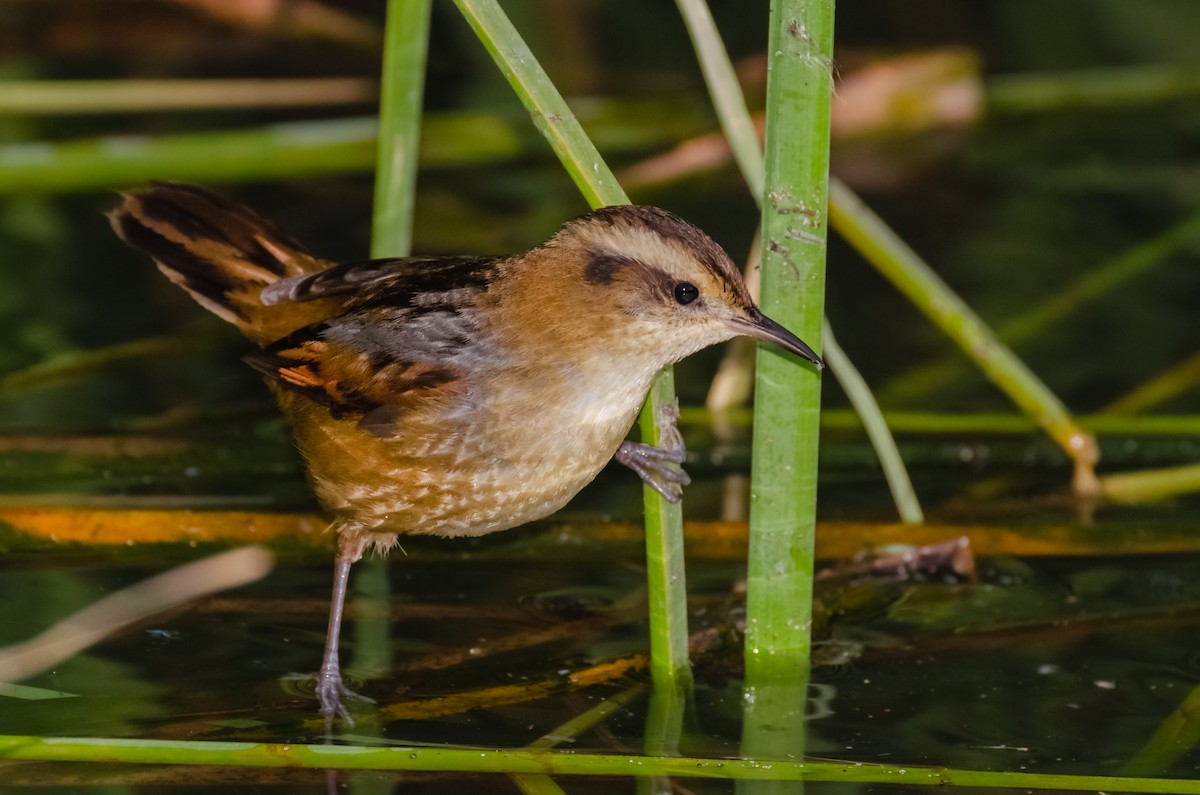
(221, 252)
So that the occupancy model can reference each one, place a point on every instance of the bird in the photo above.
(455, 395)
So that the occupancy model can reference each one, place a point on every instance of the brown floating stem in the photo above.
(710, 540)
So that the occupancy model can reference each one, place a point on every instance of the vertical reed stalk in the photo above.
(406, 41)
(739, 131)
(787, 394)
(725, 91)
(664, 525)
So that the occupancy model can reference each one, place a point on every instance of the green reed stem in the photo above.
(1170, 383)
(553, 119)
(666, 574)
(787, 397)
(137, 96)
(933, 422)
(739, 130)
(930, 422)
(405, 42)
(482, 760)
(1096, 282)
(299, 149)
(290, 150)
(892, 257)
(664, 522)
(1123, 87)
(1175, 737)
(1152, 484)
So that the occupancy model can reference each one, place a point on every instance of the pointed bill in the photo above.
(761, 327)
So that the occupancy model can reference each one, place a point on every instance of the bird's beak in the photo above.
(761, 327)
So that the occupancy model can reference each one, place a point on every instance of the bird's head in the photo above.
(641, 278)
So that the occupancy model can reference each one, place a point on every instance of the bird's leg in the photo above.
(330, 689)
(651, 463)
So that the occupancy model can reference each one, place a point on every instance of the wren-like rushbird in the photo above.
(455, 396)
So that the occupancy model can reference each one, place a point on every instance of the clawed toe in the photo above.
(332, 694)
(652, 466)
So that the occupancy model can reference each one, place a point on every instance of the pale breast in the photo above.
(527, 448)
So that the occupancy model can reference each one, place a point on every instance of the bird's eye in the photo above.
(686, 292)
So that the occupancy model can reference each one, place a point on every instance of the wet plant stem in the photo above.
(664, 521)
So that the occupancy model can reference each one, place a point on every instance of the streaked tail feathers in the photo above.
(222, 253)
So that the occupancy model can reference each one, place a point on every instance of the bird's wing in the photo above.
(382, 364)
(364, 280)
(406, 338)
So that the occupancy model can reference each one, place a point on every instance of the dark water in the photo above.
(1064, 665)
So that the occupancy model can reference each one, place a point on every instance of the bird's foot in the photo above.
(332, 695)
(653, 463)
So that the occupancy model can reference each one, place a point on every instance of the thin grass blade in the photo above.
(554, 119)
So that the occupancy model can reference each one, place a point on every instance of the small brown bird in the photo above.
(455, 396)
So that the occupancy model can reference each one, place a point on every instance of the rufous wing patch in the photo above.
(349, 383)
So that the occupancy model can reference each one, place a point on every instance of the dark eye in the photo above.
(686, 292)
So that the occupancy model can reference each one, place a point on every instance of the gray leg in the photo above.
(330, 689)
